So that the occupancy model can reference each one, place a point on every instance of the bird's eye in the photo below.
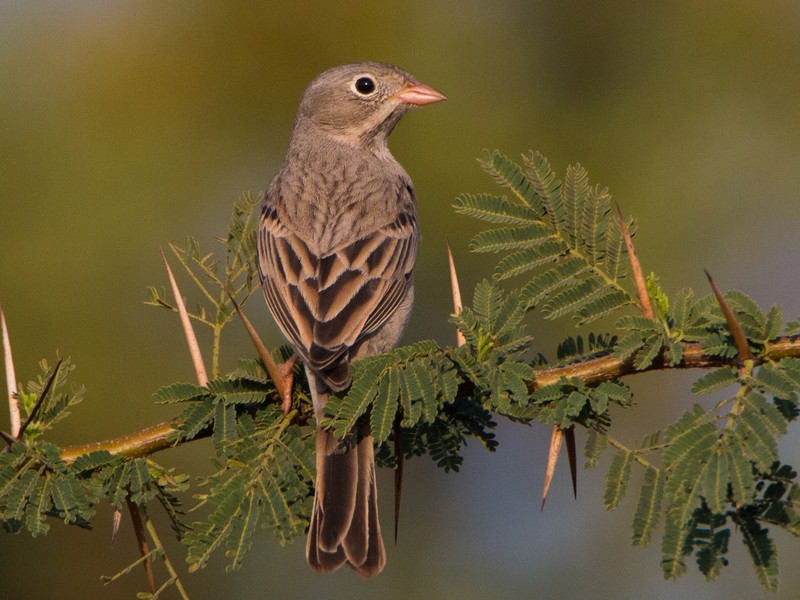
(365, 85)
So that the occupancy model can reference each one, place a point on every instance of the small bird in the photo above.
(337, 243)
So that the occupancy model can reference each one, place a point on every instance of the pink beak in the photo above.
(419, 94)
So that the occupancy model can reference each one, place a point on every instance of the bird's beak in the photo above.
(419, 94)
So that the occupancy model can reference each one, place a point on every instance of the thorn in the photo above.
(45, 390)
(141, 539)
(11, 377)
(7, 438)
(636, 268)
(281, 374)
(116, 520)
(398, 476)
(556, 439)
(569, 436)
(739, 338)
(457, 305)
(191, 339)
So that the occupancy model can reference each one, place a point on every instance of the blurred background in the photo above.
(127, 125)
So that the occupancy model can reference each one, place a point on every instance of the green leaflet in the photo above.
(682, 304)
(793, 326)
(711, 539)
(715, 488)
(243, 525)
(740, 474)
(689, 441)
(358, 398)
(385, 406)
(39, 504)
(494, 209)
(527, 192)
(676, 543)
(544, 284)
(617, 479)
(237, 391)
(758, 427)
(773, 380)
(528, 259)
(648, 510)
(544, 182)
(762, 553)
(203, 539)
(594, 226)
(603, 303)
(773, 324)
(179, 392)
(18, 496)
(596, 443)
(93, 460)
(224, 425)
(715, 380)
(509, 238)
(573, 193)
(195, 418)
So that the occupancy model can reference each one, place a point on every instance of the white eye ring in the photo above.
(364, 85)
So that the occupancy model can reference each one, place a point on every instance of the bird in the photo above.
(338, 238)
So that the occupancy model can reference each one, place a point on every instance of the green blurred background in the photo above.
(127, 125)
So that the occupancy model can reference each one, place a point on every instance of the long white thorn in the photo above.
(457, 305)
(191, 339)
(11, 378)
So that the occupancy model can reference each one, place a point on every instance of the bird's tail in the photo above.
(344, 522)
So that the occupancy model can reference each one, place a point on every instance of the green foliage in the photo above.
(559, 240)
(563, 230)
(266, 480)
(43, 410)
(219, 280)
(36, 484)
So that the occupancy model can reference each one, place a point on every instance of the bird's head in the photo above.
(360, 103)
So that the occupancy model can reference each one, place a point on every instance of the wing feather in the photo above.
(327, 303)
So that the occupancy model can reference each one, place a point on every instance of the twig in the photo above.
(161, 436)
(151, 529)
(45, 390)
(398, 475)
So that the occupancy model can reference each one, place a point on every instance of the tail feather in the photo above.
(344, 527)
(336, 489)
(375, 556)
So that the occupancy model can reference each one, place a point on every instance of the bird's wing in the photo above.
(326, 304)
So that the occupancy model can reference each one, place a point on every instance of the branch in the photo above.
(161, 436)
(140, 443)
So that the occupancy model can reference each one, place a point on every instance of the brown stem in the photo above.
(595, 370)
